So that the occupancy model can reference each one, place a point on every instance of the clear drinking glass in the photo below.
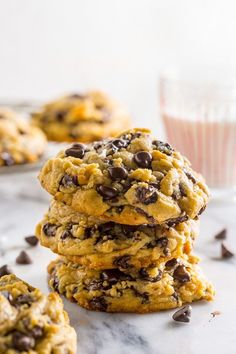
(200, 121)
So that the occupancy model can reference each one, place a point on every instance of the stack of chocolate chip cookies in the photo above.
(123, 218)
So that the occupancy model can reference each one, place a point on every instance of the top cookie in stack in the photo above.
(82, 117)
(124, 219)
(132, 179)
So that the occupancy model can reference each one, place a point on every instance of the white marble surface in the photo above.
(22, 204)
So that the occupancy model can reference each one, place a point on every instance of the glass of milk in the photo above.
(199, 116)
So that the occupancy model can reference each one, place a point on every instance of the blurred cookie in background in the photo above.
(81, 117)
(20, 142)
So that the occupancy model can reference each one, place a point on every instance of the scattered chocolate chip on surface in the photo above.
(5, 270)
(23, 258)
(183, 314)
(225, 252)
(221, 235)
(31, 240)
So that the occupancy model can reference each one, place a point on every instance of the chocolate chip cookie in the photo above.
(99, 244)
(81, 117)
(31, 322)
(167, 286)
(19, 141)
(132, 179)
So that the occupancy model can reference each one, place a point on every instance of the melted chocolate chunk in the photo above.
(36, 332)
(50, 229)
(22, 342)
(162, 242)
(66, 234)
(190, 176)
(114, 275)
(144, 295)
(122, 261)
(117, 173)
(77, 150)
(163, 147)
(172, 263)
(31, 240)
(183, 314)
(143, 159)
(146, 195)
(7, 159)
(202, 210)
(176, 221)
(181, 274)
(23, 258)
(128, 230)
(95, 285)
(5, 270)
(148, 217)
(106, 228)
(68, 181)
(55, 283)
(182, 190)
(23, 299)
(98, 303)
(225, 252)
(221, 235)
(88, 232)
(145, 275)
(60, 115)
(107, 192)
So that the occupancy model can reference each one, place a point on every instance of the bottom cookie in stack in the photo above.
(167, 285)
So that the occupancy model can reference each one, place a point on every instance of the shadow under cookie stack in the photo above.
(123, 219)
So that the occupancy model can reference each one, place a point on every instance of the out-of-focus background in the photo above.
(49, 47)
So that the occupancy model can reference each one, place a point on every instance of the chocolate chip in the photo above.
(7, 159)
(143, 159)
(114, 275)
(49, 229)
(221, 235)
(98, 304)
(182, 190)
(23, 258)
(202, 210)
(55, 283)
(162, 242)
(144, 295)
(128, 230)
(36, 332)
(76, 96)
(119, 143)
(183, 314)
(225, 253)
(95, 285)
(23, 299)
(122, 261)
(22, 342)
(107, 192)
(145, 275)
(5, 270)
(172, 263)
(191, 177)
(69, 181)
(175, 221)
(163, 147)
(146, 195)
(31, 240)
(66, 234)
(181, 274)
(88, 232)
(106, 228)
(77, 150)
(60, 115)
(117, 173)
